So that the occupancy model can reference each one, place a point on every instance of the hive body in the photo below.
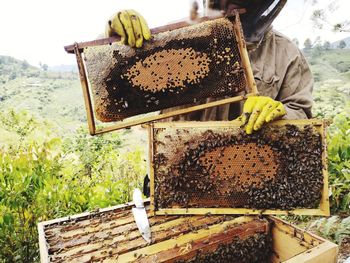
(112, 236)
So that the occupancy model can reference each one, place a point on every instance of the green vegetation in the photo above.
(44, 177)
(339, 162)
(333, 228)
(50, 167)
(331, 69)
(55, 96)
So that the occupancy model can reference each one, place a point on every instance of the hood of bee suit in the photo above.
(258, 17)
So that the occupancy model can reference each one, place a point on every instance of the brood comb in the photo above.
(179, 67)
(216, 167)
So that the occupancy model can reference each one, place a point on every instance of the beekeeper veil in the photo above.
(258, 17)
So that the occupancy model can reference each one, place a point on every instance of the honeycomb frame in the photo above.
(108, 70)
(111, 235)
(58, 236)
(183, 183)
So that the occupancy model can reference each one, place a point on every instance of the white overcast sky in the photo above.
(37, 30)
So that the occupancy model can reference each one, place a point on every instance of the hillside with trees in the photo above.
(46, 94)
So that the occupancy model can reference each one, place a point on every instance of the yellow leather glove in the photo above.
(258, 110)
(130, 26)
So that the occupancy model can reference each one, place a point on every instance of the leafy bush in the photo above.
(333, 228)
(13, 76)
(342, 66)
(44, 177)
(339, 161)
(24, 172)
(330, 98)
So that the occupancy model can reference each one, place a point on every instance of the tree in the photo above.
(25, 64)
(342, 44)
(321, 17)
(45, 67)
(307, 44)
(326, 45)
(13, 76)
(317, 42)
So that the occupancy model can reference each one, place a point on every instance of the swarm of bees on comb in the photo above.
(253, 249)
(112, 235)
(275, 168)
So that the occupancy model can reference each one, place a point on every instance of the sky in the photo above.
(38, 30)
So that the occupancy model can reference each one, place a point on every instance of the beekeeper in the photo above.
(282, 75)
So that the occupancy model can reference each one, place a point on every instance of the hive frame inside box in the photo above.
(216, 231)
(322, 210)
(78, 49)
(290, 244)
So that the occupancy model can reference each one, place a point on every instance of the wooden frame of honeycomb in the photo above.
(111, 235)
(214, 167)
(153, 85)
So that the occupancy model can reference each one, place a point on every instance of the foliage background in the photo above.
(50, 167)
(43, 176)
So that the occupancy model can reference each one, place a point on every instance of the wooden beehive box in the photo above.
(180, 67)
(111, 235)
(201, 167)
(291, 244)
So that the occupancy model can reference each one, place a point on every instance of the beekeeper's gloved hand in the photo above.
(130, 26)
(258, 110)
